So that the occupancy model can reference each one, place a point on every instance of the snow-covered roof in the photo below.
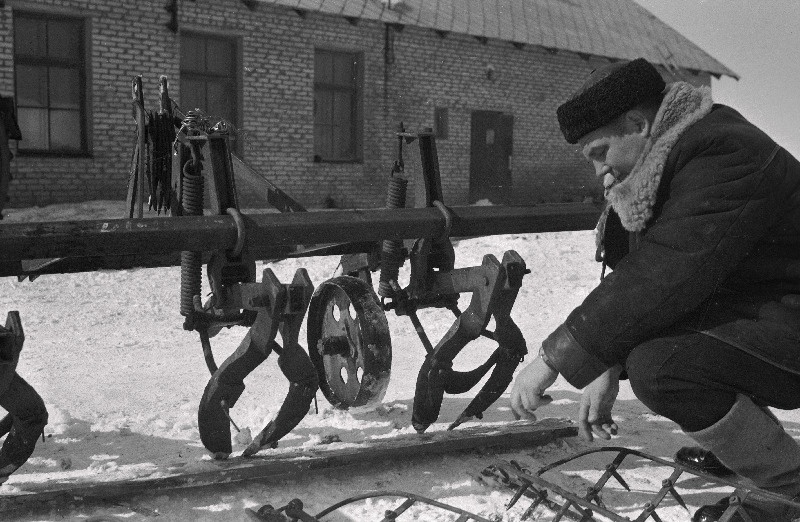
(617, 29)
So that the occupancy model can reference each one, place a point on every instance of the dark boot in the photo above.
(750, 441)
(703, 460)
(759, 510)
(29, 419)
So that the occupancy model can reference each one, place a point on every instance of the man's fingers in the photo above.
(601, 432)
(525, 415)
(524, 404)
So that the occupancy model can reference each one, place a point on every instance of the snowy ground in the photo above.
(122, 381)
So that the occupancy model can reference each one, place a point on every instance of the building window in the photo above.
(337, 121)
(50, 78)
(441, 117)
(208, 76)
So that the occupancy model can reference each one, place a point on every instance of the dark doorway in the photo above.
(490, 156)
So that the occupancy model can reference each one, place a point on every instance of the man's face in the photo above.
(615, 148)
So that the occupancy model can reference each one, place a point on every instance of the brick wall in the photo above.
(277, 52)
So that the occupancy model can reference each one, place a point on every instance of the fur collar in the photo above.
(634, 197)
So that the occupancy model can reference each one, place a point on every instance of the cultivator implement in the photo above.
(348, 352)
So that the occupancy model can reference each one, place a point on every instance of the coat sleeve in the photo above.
(720, 200)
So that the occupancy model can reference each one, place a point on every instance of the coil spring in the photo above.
(196, 120)
(392, 249)
(191, 262)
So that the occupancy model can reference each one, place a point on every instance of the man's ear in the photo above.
(637, 122)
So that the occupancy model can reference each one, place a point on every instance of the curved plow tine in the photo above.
(221, 393)
(283, 308)
(510, 353)
(428, 394)
(461, 382)
(495, 286)
(296, 365)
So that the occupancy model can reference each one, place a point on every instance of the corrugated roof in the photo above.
(620, 29)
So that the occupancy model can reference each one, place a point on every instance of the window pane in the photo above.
(342, 108)
(30, 37)
(323, 67)
(342, 142)
(193, 94)
(63, 41)
(65, 130)
(344, 70)
(323, 107)
(64, 88)
(343, 121)
(192, 54)
(220, 58)
(31, 86)
(33, 124)
(322, 141)
(220, 100)
(208, 76)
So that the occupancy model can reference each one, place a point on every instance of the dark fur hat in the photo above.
(608, 92)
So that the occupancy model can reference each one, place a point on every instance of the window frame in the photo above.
(235, 76)
(80, 64)
(357, 104)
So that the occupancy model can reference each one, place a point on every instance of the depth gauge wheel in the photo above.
(349, 342)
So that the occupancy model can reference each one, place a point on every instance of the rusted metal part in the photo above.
(280, 308)
(349, 342)
(573, 506)
(294, 509)
(494, 287)
(435, 282)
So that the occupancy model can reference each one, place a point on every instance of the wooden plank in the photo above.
(120, 237)
(520, 434)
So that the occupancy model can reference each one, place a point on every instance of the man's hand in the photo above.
(527, 392)
(594, 414)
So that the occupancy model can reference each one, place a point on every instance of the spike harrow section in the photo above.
(568, 505)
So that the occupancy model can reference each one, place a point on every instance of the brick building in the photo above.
(318, 87)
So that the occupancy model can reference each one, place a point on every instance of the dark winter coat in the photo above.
(704, 235)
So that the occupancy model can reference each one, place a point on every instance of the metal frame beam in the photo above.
(132, 243)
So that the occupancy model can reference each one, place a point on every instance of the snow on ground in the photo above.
(122, 381)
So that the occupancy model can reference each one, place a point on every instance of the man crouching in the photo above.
(700, 311)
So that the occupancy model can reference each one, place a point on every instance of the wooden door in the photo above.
(490, 156)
